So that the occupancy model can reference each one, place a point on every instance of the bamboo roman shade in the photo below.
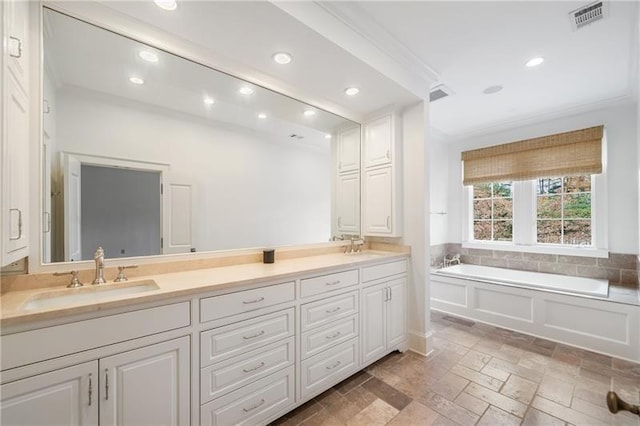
(570, 153)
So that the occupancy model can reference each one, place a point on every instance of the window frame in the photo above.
(525, 221)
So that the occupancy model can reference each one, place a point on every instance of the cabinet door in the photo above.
(378, 140)
(147, 386)
(16, 174)
(378, 201)
(349, 150)
(68, 396)
(348, 206)
(18, 41)
(373, 322)
(396, 312)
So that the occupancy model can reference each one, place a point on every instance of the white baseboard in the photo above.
(421, 343)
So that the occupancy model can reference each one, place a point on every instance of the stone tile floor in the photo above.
(479, 375)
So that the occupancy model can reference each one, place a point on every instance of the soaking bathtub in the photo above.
(572, 310)
(563, 283)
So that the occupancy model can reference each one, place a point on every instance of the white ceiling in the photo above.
(473, 45)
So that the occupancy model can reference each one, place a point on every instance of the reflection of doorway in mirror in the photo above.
(118, 204)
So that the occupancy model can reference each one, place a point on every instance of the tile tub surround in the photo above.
(619, 269)
(479, 375)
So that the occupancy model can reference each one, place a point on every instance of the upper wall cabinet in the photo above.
(382, 180)
(15, 132)
(349, 150)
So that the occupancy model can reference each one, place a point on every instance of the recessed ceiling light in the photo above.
(262, 116)
(327, 136)
(492, 89)
(282, 58)
(208, 101)
(309, 112)
(534, 62)
(148, 56)
(136, 80)
(246, 90)
(166, 4)
(351, 91)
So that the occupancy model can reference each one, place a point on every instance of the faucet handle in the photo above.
(121, 276)
(75, 282)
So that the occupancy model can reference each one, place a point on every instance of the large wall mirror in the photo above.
(147, 153)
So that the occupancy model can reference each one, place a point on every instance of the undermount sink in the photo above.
(87, 294)
(366, 254)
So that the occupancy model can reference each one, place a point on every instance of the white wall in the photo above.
(250, 192)
(622, 168)
(440, 188)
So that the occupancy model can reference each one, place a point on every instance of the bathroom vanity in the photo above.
(235, 344)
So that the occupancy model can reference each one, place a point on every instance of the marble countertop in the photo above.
(16, 309)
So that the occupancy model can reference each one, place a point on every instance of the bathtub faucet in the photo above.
(455, 260)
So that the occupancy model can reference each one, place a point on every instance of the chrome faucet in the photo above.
(454, 260)
(98, 257)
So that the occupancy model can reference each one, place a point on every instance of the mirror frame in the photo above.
(110, 20)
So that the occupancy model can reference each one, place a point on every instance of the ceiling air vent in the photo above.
(588, 14)
(294, 136)
(438, 92)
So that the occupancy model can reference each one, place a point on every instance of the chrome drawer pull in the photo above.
(330, 311)
(259, 299)
(254, 368)
(331, 367)
(246, 410)
(258, 334)
(334, 335)
(90, 389)
(15, 47)
(333, 283)
(106, 384)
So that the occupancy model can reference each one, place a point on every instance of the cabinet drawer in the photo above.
(327, 310)
(374, 272)
(325, 369)
(243, 301)
(20, 349)
(226, 376)
(317, 340)
(243, 336)
(327, 283)
(254, 403)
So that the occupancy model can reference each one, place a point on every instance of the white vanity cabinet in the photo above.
(15, 131)
(68, 396)
(349, 150)
(382, 189)
(348, 203)
(384, 311)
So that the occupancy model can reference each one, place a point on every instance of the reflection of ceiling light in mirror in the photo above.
(327, 136)
(351, 91)
(166, 4)
(208, 101)
(148, 56)
(262, 116)
(246, 90)
(282, 58)
(309, 112)
(492, 89)
(534, 62)
(136, 80)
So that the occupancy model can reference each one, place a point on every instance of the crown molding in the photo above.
(536, 118)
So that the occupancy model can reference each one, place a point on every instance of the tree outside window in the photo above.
(493, 211)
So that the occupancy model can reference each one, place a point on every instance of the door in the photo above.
(373, 322)
(378, 201)
(147, 386)
(349, 150)
(17, 173)
(378, 137)
(66, 397)
(177, 230)
(18, 42)
(396, 312)
(72, 208)
(348, 208)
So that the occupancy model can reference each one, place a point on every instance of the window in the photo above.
(564, 210)
(493, 212)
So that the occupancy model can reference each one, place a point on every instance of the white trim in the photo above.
(420, 343)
